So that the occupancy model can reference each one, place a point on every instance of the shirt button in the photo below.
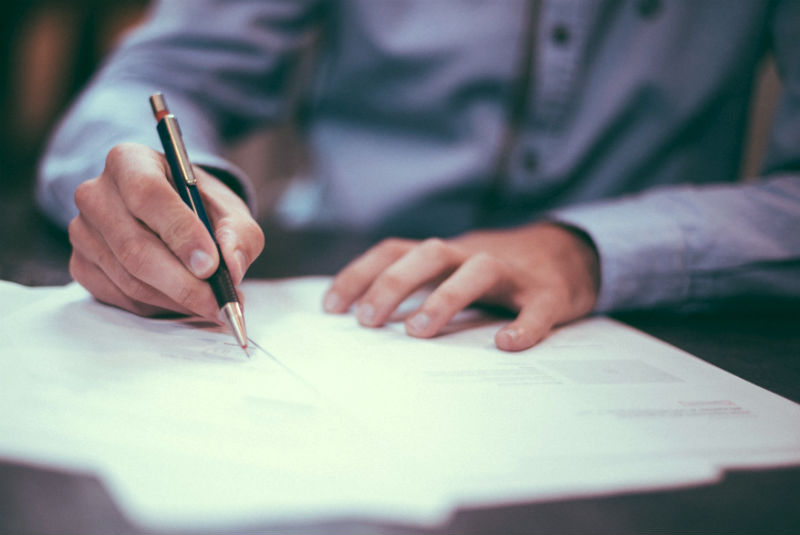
(648, 8)
(560, 35)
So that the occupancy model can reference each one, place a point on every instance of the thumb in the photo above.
(533, 323)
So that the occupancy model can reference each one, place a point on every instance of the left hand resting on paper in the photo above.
(545, 272)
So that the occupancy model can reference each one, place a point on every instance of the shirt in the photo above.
(625, 119)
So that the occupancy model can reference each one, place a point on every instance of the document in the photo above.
(327, 419)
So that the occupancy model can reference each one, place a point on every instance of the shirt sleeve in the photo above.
(681, 246)
(224, 67)
(691, 245)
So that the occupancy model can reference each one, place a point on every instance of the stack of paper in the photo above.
(329, 419)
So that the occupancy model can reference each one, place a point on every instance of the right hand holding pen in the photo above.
(137, 246)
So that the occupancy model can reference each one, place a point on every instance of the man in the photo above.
(560, 157)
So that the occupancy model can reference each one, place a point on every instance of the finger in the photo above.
(475, 278)
(93, 250)
(140, 176)
(535, 320)
(239, 236)
(145, 257)
(430, 260)
(91, 277)
(241, 241)
(355, 278)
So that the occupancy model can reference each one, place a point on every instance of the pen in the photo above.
(182, 174)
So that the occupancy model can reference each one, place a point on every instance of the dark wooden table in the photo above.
(762, 347)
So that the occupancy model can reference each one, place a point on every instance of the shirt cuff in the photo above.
(641, 251)
(77, 151)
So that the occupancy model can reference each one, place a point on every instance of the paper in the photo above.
(337, 420)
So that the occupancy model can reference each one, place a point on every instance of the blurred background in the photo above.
(48, 51)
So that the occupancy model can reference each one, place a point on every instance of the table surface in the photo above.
(761, 347)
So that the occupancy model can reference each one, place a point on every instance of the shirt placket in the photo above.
(562, 33)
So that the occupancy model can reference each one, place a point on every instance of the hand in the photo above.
(137, 246)
(545, 272)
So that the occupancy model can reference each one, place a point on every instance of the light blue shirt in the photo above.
(631, 122)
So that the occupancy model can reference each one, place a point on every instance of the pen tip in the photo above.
(235, 317)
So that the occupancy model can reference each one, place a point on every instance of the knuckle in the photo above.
(80, 238)
(107, 262)
(392, 246)
(85, 194)
(354, 282)
(181, 230)
(486, 262)
(139, 194)
(494, 272)
(435, 245)
(118, 158)
(185, 296)
(115, 154)
(134, 255)
(134, 288)
(120, 152)
(390, 281)
(447, 299)
(436, 249)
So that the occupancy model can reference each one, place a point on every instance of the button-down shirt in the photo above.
(625, 119)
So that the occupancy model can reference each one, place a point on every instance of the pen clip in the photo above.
(170, 124)
(169, 128)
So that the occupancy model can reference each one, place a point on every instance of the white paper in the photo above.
(333, 419)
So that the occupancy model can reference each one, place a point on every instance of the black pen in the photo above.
(186, 184)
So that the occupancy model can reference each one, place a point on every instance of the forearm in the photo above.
(684, 245)
(105, 116)
(221, 74)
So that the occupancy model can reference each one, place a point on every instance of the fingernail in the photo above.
(365, 313)
(331, 302)
(509, 336)
(200, 263)
(419, 323)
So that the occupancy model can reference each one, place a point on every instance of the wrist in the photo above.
(581, 265)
